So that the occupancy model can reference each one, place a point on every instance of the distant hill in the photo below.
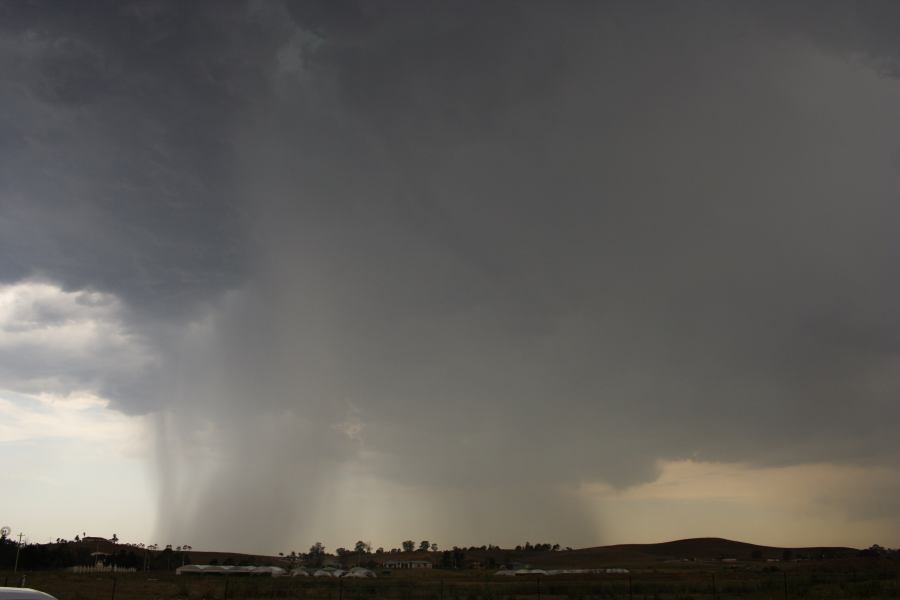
(696, 549)
(707, 548)
(691, 549)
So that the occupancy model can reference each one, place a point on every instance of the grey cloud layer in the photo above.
(115, 159)
(510, 242)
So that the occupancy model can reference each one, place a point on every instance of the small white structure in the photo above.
(322, 573)
(270, 571)
(407, 564)
(531, 572)
(506, 573)
(299, 572)
(359, 572)
(228, 570)
(100, 568)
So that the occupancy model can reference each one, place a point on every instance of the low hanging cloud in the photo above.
(59, 342)
(467, 257)
(79, 417)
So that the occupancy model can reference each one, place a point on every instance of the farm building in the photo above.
(407, 564)
(229, 570)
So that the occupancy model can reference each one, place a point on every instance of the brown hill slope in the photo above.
(636, 554)
(712, 548)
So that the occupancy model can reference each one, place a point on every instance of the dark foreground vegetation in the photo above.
(838, 579)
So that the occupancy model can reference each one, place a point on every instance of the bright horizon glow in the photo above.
(75, 466)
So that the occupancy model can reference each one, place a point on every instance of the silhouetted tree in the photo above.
(408, 546)
(316, 554)
(459, 558)
(873, 551)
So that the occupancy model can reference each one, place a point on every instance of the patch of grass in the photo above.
(820, 581)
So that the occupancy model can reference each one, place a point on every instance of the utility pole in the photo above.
(18, 547)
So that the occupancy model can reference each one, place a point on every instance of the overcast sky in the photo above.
(472, 272)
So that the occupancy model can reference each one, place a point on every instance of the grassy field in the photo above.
(825, 580)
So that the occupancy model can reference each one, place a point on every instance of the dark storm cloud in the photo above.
(116, 157)
(469, 246)
(548, 210)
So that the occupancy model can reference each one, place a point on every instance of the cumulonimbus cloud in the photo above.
(466, 248)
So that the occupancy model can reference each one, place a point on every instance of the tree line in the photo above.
(66, 553)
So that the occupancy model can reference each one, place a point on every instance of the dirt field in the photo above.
(835, 580)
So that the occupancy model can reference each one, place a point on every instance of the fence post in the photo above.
(225, 596)
(785, 584)
(630, 588)
(442, 589)
(22, 582)
(341, 588)
(539, 587)
(114, 588)
(715, 589)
